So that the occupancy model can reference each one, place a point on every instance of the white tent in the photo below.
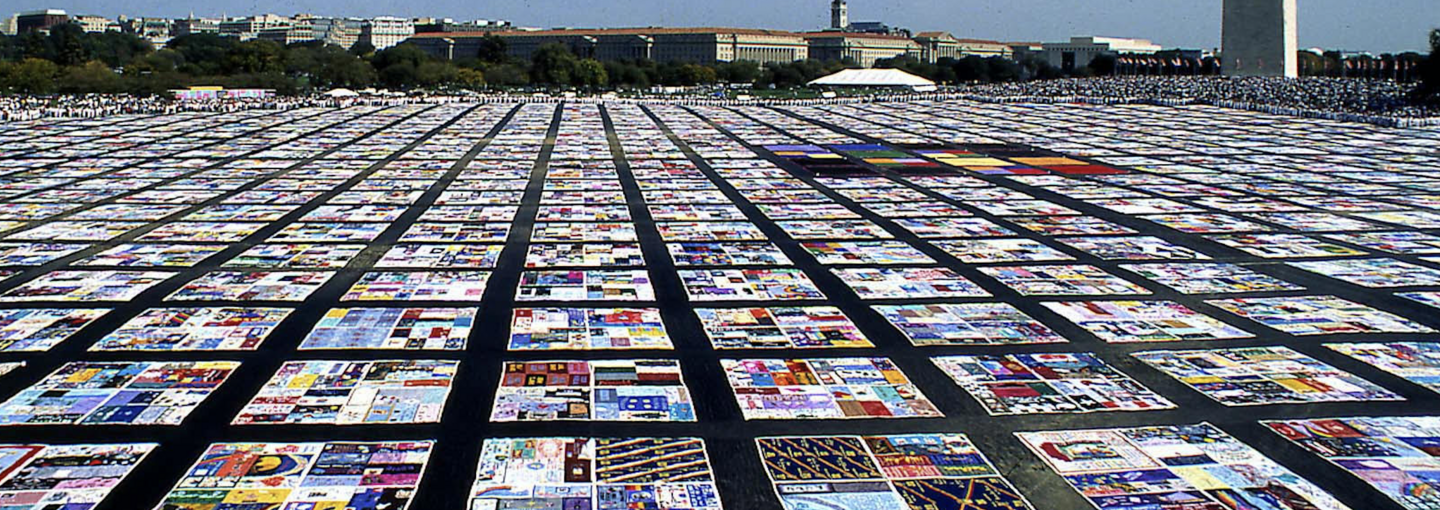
(342, 93)
(876, 78)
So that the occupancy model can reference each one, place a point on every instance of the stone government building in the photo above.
(708, 45)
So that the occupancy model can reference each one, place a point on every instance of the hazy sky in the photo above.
(1371, 25)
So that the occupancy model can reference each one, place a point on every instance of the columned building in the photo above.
(1078, 53)
(940, 45)
(864, 49)
(385, 31)
(700, 45)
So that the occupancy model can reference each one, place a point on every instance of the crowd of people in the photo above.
(1374, 101)
(22, 108)
(1339, 98)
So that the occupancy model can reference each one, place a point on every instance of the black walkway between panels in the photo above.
(994, 434)
(729, 438)
(180, 446)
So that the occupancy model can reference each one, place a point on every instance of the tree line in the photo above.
(975, 69)
(69, 60)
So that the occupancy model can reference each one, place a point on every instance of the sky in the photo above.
(1353, 25)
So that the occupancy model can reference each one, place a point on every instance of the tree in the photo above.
(116, 49)
(912, 65)
(66, 39)
(36, 45)
(493, 49)
(472, 79)
(155, 83)
(93, 76)
(362, 49)
(399, 75)
(339, 68)
(430, 74)
(553, 64)
(741, 71)
(10, 48)
(626, 74)
(945, 70)
(1004, 70)
(507, 75)
(30, 76)
(327, 66)
(399, 54)
(163, 61)
(696, 74)
(972, 69)
(796, 74)
(255, 57)
(302, 60)
(590, 73)
(1103, 65)
(201, 53)
(399, 66)
(1035, 68)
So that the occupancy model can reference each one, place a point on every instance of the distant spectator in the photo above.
(1376, 101)
(1333, 95)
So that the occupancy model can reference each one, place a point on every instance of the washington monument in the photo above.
(1258, 38)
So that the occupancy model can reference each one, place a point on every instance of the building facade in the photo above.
(1023, 51)
(249, 28)
(760, 46)
(863, 49)
(877, 27)
(342, 32)
(617, 44)
(385, 31)
(1080, 51)
(155, 30)
(448, 26)
(96, 24)
(39, 20)
(187, 26)
(935, 46)
(297, 33)
(839, 15)
(702, 45)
